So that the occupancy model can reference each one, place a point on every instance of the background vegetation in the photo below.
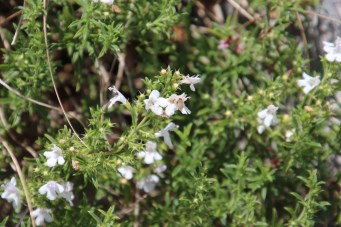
(221, 171)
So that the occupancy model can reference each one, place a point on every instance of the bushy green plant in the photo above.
(213, 119)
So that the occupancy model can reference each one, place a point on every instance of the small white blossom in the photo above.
(177, 102)
(54, 156)
(165, 133)
(118, 97)
(126, 171)
(160, 169)
(104, 1)
(67, 194)
(41, 215)
(333, 50)
(155, 102)
(12, 193)
(308, 83)
(190, 80)
(266, 118)
(148, 184)
(52, 189)
(150, 155)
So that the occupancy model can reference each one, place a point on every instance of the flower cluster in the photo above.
(267, 117)
(150, 156)
(166, 107)
(161, 106)
(52, 189)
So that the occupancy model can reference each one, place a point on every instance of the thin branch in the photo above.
(241, 10)
(3, 83)
(10, 17)
(121, 66)
(322, 16)
(16, 34)
(51, 73)
(4, 40)
(13, 137)
(103, 83)
(304, 37)
(21, 177)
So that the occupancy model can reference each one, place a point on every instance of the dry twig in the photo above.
(304, 37)
(3, 83)
(51, 73)
(13, 137)
(322, 16)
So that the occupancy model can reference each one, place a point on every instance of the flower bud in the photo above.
(163, 72)
(123, 181)
(308, 109)
(228, 113)
(62, 141)
(75, 164)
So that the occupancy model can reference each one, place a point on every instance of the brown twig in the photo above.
(10, 17)
(121, 66)
(104, 83)
(13, 137)
(241, 10)
(137, 208)
(4, 40)
(21, 177)
(16, 34)
(3, 83)
(322, 16)
(304, 37)
(51, 73)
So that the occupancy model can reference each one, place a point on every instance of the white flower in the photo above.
(150, 155)
(155, 102)
(177, 102)
(190, 80)
(12, 193)
(309, 83)
(148, 184)
(118, 97)
(165, 133)
(333, 50)
(126, 171)
(41, 215)
(54, 156)
(160, 169)
(104, 1)
(51, 189)
(266, 118)
(67, 193)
